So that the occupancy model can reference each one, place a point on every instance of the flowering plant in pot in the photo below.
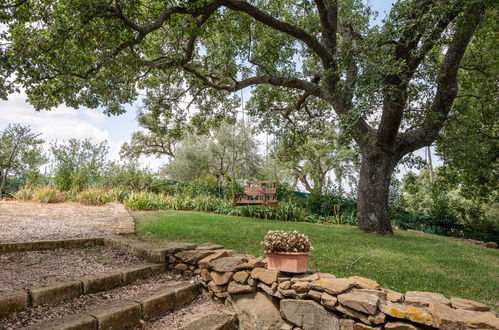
(287, 251)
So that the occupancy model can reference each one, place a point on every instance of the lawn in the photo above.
(404, 262)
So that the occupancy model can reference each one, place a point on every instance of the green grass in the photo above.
(404, 262)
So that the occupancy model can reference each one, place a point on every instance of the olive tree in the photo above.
(229, 151)
(391, 86)
(21, 153)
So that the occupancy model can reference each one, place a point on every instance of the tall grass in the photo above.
(47, 194)
(148, 201)
(145, 201)
(88, 196)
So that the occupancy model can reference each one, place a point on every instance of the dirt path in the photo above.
(28, 221)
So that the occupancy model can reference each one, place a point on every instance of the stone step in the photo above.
(126, 313)
(16, 301)
(213, 322)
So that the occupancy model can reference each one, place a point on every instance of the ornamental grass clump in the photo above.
(281, 241)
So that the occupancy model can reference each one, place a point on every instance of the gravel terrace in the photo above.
(24, 269)
(172, 320)
(29, 221)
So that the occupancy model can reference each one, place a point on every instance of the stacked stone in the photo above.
(264, 298)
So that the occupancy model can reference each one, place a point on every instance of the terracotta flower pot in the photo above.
(291, 262)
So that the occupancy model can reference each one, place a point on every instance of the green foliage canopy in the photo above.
(310, 62)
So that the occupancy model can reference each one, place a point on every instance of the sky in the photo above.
(64, 123)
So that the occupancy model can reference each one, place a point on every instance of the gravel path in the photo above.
(28, 221)
(24, 269)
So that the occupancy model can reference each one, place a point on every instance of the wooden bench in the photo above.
(257, 193)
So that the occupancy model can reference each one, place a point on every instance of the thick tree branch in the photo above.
(328, 14)
(295, 32)
(413, 46)
(163, 17)
(231, 85)
(446, 92)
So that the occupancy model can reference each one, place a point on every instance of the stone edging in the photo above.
(50, 244)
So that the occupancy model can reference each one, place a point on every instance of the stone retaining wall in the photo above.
(267, 299)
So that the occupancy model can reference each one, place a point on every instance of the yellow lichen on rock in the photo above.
(414, 314)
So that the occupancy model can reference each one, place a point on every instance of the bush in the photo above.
(329, 205)
(23, 194)
(48, 194)
(129, 176)
(94, 196)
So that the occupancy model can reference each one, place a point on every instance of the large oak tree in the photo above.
(391, 86)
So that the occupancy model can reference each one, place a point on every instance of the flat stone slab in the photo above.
(267, 276)
(217, 254)
(212, 322)
(333, 285)
(120, 315)
(157, 303)
(101, 282)
(425, 298)
(470, 305)
(131, 274)
(360, 301)
(412, 313)
(172, 248)
(209, 246)
(52, 294)
(227, 264)
(193, 256)
(309, 315)
(13, 302)
(71, 322)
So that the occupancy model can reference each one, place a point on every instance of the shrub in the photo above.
(23, 194)
(329, 205)
(94, 196)
(48, 194)
(129, 176)
(281, 241)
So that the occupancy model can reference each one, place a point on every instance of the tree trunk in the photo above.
(2, 183)
(372, 203)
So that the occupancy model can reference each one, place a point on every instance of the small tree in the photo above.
(21, 153)
(78, 163)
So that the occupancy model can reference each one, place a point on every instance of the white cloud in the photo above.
(61, 123)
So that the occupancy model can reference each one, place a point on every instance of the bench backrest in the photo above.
(257, 189)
